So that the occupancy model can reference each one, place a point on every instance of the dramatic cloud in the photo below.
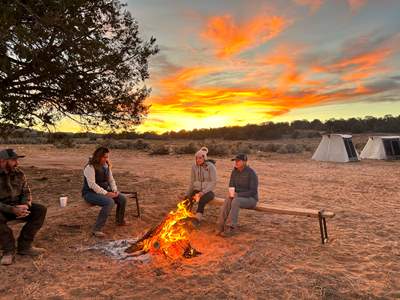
(230, 38)
(289, 76)
(314, 5)
(355, 5)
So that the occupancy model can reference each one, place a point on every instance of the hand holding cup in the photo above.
(231, 192)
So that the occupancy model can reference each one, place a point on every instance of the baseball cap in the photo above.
(240, 156)
(9, 154)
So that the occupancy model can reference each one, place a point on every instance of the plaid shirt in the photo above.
(14, 190)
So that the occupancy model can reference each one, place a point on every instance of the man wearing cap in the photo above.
(15, 203)
(245, 181)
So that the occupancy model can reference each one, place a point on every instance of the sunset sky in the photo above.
(234, 62)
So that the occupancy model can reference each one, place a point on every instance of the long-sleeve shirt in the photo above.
(245, 182)
(202, 178)
(14, 190)
(90, 175)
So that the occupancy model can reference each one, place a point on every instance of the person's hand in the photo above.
(112, 195)
(21, 211)
(229, 197)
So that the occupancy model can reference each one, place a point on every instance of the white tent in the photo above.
(382, 147)
(336, 147)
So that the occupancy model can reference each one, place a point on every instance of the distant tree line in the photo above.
(295, 129)
(265, 131)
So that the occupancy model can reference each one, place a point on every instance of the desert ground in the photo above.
(272, 256)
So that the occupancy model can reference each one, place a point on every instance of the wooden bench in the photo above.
(321, 215)
(82, 203)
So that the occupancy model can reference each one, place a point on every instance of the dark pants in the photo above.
(207, 197)
(33, 223)
(107, 205)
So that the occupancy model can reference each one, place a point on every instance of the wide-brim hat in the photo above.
(9, 154)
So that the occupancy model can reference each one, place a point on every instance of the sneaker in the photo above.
(31, 251)
(7, 259)
(99, 234)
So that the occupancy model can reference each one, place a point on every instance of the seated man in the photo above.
(15, 203)
(245, 182)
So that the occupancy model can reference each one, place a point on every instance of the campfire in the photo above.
(171, 237)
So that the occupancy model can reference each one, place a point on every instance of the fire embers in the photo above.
(171, 237)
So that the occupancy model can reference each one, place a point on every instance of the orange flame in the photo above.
(172, 236)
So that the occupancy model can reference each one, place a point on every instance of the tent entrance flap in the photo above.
(392, 148)
(351, 151)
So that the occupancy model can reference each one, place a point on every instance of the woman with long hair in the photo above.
(99, 188)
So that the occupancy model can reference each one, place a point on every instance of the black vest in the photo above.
(102, 176)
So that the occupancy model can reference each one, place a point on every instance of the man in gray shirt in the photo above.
(245, 181)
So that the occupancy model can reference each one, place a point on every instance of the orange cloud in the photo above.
(313, 4)
(359, 66)
(230, 38)
(355, 5)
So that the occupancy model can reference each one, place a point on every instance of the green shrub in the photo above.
(215, 149)
(140, 145)
(190, 148)
(159, 150)
(269, 147)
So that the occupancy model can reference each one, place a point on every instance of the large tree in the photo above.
(82, 59)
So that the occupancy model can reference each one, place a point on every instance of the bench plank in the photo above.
(275, 209)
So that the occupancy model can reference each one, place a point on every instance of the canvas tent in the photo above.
(382, 147)
(336, 147)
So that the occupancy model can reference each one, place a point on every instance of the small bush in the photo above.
(65, 143)
(243, 148)
(290, 148)
(159, 150)
(187, 149)
(269, 148)
(215, 149)
(313, 134)
(309, 148)
(140, 145)
(282, 150)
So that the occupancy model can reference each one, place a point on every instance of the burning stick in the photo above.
(171, 236)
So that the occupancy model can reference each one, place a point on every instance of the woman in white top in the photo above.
(99, 188)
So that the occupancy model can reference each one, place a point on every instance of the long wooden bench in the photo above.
(321, 215)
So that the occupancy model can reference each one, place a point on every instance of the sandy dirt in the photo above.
(272, 256)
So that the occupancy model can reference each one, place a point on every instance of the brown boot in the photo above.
(31, 251)
(229, 231)
(7, 259)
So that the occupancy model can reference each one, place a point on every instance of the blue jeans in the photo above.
(107, 205)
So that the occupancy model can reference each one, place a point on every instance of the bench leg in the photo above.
(322, 227)
(134, 195)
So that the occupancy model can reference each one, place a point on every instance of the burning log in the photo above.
(171, 236)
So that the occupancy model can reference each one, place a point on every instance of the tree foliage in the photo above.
(82, 59)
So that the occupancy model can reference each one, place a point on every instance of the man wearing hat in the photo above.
(245, 182)
(15, 203)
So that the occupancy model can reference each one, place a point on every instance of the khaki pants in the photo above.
(229, 213)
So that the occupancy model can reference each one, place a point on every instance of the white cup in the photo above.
(63, 201)
(231, 192)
